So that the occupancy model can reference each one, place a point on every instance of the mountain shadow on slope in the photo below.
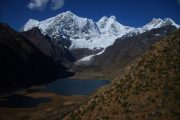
(51, 47)
(22, 64)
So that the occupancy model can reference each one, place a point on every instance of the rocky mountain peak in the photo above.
(157, 23)
(85, 33)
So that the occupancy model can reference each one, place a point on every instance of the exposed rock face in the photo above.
(23, 64)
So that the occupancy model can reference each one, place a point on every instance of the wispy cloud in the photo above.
(57, 4)
(41, 4)
(178, 1)
(37, 4)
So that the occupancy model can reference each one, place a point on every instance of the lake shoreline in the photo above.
(59, 106)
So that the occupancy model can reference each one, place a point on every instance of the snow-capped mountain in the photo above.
(157, 23)
(68, 25)
(82, 32)
(85, 33)
(30, 24)
(112, 27)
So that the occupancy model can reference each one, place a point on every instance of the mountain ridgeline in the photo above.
(149, 90)
(85, 34)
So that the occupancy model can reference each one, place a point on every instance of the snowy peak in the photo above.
(103, 19)
(85, 33)
(69, 24)
(67, 13)
(108, 21)
(169, 21)
(157, 23)
(111, 26)
(30, 24)
(112, 18)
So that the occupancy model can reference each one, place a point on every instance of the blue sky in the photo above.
(134, 13)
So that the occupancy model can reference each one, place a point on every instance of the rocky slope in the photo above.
(50, 47)
(148, 90)
(126, 49)
(23, 64)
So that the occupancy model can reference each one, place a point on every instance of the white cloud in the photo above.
(37, 4)
(57, 4)
(41, 4)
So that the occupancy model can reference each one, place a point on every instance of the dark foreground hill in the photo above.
(149, 90)
(22, 64)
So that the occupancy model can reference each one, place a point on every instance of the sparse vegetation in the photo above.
(148, 90)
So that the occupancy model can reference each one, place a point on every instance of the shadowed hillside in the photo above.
(50, 47)
(148, 90)
(22, 64)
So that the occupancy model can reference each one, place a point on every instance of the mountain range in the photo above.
(142, 65)
(84, 33)
(73, 41)
(96, 44)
